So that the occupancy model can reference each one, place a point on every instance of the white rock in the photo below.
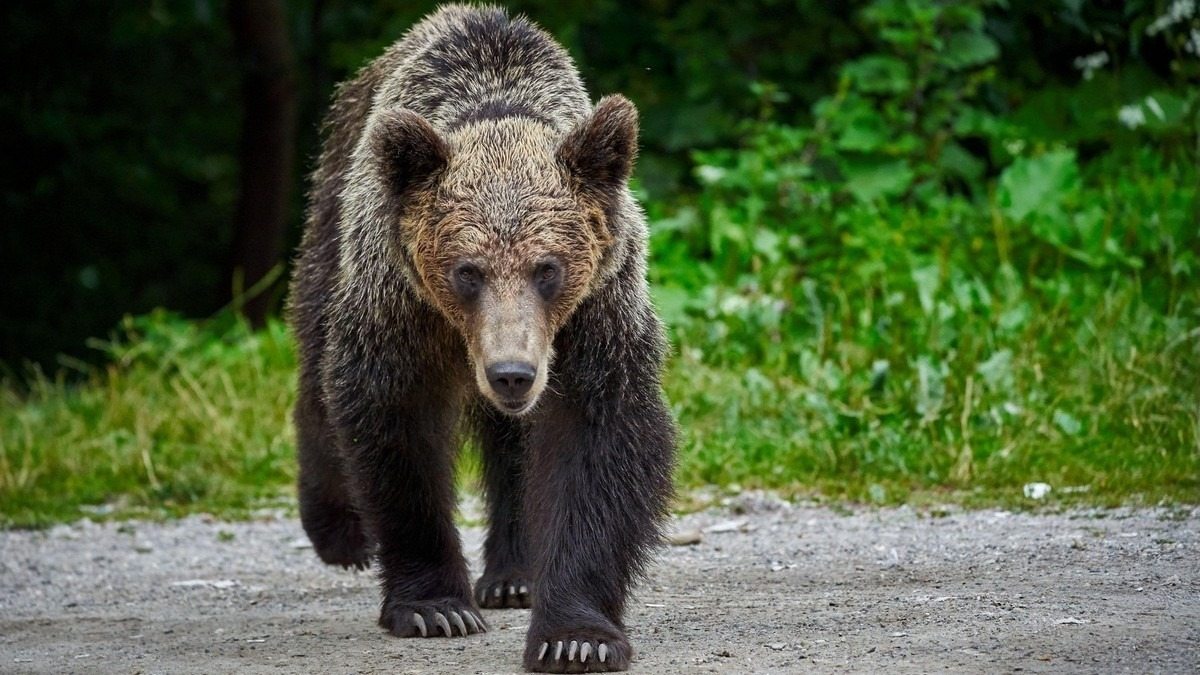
(1037, 490)
(727, 526)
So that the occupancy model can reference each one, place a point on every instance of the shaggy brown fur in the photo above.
(472, 254)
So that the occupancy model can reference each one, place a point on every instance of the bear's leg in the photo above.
(505, 581)
(400, 461)
(598, 482)
(326, 510)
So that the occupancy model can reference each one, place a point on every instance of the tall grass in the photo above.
(1110, 408)
(185, 416)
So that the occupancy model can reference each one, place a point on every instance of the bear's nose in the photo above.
(511, 379)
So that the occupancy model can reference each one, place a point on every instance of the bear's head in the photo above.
(504, 225)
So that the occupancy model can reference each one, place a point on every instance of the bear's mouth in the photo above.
(517, 407)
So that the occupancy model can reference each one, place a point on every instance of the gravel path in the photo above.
(771, 588)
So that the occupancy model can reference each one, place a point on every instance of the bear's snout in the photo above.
(511, 380)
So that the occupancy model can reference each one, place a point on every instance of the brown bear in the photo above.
(474, 263)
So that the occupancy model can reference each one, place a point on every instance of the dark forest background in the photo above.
(155, 152)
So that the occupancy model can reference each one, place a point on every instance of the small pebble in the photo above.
(685, 538)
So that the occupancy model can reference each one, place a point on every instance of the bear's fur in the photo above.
(469, 214)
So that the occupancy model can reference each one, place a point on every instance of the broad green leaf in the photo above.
(1067, 422)
(927, 280)
(996, 371)
(768, 244)
(1163, 111)
(710, 175)
(958, 162)
(671, 302)
(967, 49)
(868, 180)
(865, 132)
(1089, 224)
(878, 74)
(931, 387)
(1037, 184)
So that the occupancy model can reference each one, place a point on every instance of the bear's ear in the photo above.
(599, 153)
(406, 148)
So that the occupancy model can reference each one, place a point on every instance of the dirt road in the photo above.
(771, 588)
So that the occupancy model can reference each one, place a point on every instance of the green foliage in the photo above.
(1049, 334)
(898, 114)
(901, 245)
(867, 307)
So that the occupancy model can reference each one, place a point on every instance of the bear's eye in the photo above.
(468, 280)
(548, 279)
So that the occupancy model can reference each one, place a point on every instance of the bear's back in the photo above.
(466, 63)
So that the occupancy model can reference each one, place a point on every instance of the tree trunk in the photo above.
(268, 147)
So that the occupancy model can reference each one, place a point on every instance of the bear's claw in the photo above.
(575, 656)
(440, 620)
(436, 619)
(501, 593)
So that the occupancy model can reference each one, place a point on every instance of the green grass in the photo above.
(945, 350)
(186, 417)
(1110, 412)
(191, 418)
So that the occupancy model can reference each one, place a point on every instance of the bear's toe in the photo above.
(446, 617)
(581, 651)
(498, 592)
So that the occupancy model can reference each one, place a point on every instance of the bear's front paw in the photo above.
(337, 536)
(496, 591)
(350, 552)
(583, 650)
(442, 617)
